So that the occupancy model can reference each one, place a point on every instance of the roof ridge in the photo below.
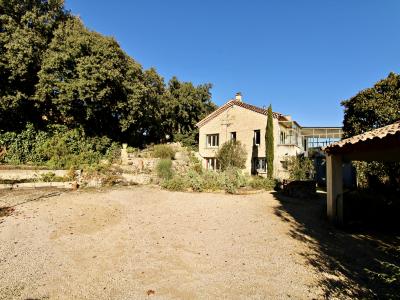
(232, 102)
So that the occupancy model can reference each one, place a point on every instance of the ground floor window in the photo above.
(212, 163)
(259, 165)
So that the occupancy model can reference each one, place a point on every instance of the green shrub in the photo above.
(56, 147)
(262, 183)
(195, 163)
(107, 174)
(194, 181)
(164, 169)
(48, 177)
(177, 183)
(213, 181)
(232, 154)
(130, 149)
(300, 168)
(234, 179)
(163, 151)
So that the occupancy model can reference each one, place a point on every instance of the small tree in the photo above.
(232, 154)
(300, 168)
(269, 144)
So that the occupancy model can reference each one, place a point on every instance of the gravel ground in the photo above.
(142, 242)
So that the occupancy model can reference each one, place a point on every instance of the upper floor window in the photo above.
(257, 137)
(283, 138)
(233, 136)
(212, 140)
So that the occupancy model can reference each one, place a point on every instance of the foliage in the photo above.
(131, 150)
(104, 174)
(52, 177)
(189, 139)
(369, 208)
(229, 181)
(164, 169)
(164, 151)
(300, 168)
(54, 71)
(234, 179)
(26, 29)
(195, 164)
(369, 109)
(259, 182)
(232, 154)
(183, 105)
(387, 277)
(269, 143)
(177, 183)
(56, 147)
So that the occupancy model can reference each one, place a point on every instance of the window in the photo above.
(283, 138)
(257, 137)
(212, 140)
(233, 136)
(212, 163)
(259, 165)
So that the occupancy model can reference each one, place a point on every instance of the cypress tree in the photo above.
(269, 144)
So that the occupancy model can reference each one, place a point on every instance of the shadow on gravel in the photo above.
(6, 211)
(353, 264)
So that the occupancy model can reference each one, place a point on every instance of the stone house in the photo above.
(246, 123)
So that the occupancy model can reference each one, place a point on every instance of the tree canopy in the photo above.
(54, 71)
(372, 108)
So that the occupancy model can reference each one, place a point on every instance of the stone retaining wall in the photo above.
(29, 174)
(34, 185)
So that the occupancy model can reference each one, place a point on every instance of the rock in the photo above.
(300, 189)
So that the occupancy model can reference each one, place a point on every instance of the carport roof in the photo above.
(371, 145)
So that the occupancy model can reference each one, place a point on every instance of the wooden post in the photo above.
(334, 184)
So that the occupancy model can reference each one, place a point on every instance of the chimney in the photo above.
(238, 97)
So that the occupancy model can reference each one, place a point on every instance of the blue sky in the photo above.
(303, 57)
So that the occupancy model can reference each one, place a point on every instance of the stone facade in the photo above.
(247, 123)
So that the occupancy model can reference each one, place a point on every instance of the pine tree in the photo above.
(269, 144)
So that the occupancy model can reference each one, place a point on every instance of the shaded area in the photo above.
(352, 264)
(6, 211)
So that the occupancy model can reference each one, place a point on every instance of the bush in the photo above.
(51, 177)
(56, 147)
(163, 151)
(232, 154)
(164, 169)
(262, 183)
(234, 179)
(105, 174)
(213, 181)
(130, 149)
(300, 168)
(177, 183)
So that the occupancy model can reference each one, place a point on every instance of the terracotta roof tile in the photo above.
(378, 133)
(231, 103)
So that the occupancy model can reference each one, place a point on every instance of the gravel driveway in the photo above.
(142, 242)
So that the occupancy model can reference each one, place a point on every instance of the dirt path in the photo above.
(139, 243)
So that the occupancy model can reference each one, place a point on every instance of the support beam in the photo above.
(334, 188)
